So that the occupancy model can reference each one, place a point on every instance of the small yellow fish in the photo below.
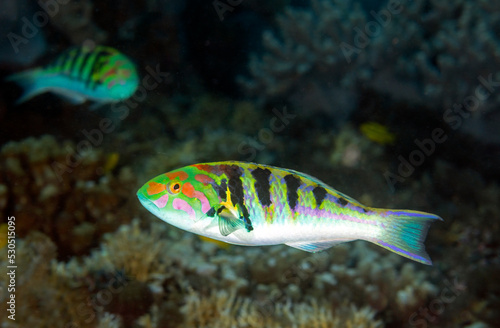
(111, 162)
(377, 132)
(219, 243)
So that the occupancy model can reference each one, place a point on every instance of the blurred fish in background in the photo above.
(101, 74)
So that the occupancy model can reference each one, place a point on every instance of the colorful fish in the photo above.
(101, 74)
(252, 204)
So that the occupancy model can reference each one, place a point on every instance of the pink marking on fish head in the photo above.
(182, 205)
(189, 191)
(162, 201)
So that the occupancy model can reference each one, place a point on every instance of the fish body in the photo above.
(251, 204)
(101, 74)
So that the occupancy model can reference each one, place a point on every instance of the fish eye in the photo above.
(175, 187)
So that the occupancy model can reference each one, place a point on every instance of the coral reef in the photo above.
(223, 309)
(150, 274)
(89, 255)
(471, 233)
(456, 55)
(180, 270)
(63, 191)
(333, 51)
(43, 300)
(453, 39)
(306, 64)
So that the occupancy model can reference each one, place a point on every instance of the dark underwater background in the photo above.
(395, 103)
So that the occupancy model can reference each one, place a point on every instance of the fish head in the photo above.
(183, 198)
(118, 77)
(124, 84)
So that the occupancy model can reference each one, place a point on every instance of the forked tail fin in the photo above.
(27, 81)
(404, 233)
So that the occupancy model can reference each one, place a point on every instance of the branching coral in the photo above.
(139, 254)
(42, 299)
(145, 275)
(223, 309)
(278, 276)
(425, 53)
(307, 62)
(372, 278)
(146, 267)
(445, 57)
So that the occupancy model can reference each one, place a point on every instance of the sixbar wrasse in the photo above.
(251, 204)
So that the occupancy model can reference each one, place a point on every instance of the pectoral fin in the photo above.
(314, 247)
(228, 222)
(231, 218)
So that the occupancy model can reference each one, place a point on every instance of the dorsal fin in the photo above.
(334, 191)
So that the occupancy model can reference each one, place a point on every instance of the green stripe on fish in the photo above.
(251, 204)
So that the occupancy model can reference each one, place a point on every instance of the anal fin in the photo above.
(73, 97)
(314, 247)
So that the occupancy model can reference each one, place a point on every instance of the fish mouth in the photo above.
(143, 199)
(147, 204)
(150, 206)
